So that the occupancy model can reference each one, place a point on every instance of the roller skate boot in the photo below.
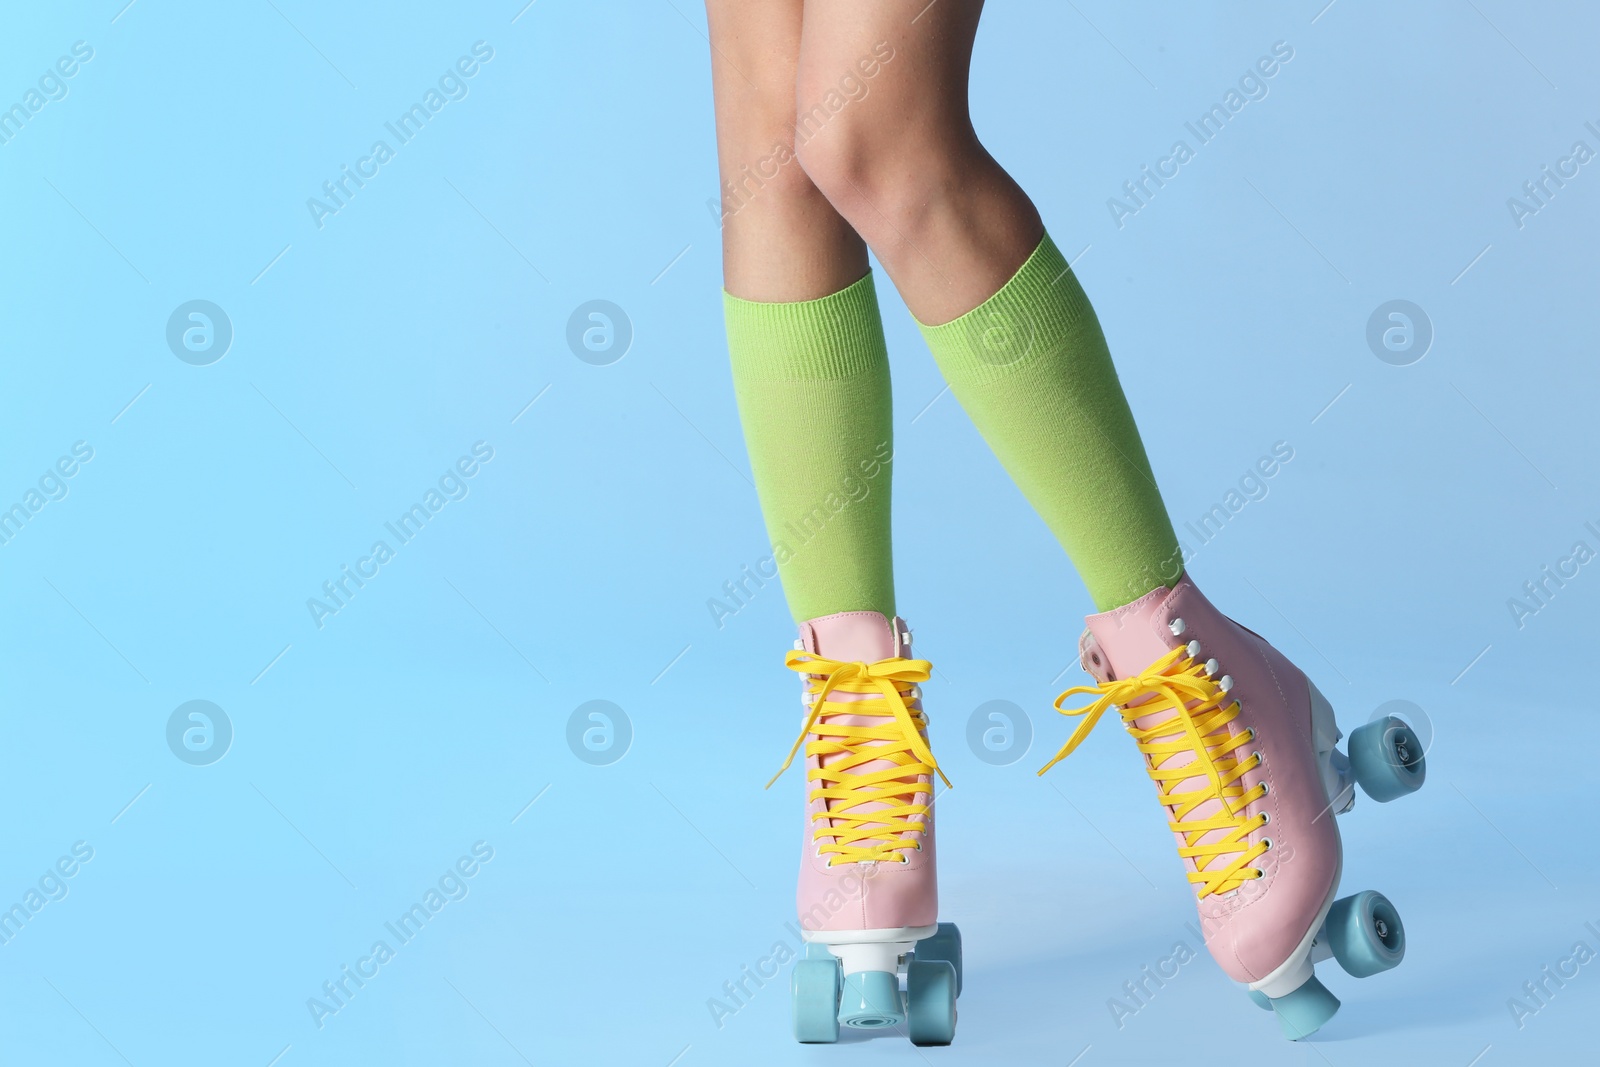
(876, 956)
(1242, 748)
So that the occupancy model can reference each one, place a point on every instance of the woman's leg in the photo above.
(804, 335)
(812, 378)
(1015, 336)
(1238, 741)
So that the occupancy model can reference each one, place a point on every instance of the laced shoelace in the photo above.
(857, 835)
(1181, 682)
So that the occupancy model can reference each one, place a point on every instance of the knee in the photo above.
(876, 173)
(839, 155)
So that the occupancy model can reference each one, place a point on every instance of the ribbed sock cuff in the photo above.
(837, 336)
(1033, 314)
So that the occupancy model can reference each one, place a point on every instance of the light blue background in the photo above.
(427, 314)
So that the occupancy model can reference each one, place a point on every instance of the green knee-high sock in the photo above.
(812, 380)
(1031, 368)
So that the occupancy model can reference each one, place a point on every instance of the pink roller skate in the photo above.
(868, 895)
(1241, 747)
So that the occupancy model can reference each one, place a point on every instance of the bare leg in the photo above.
(781, 239)
(902, 162)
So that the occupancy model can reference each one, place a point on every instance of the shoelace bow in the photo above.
(899, 742)
(1204, 712)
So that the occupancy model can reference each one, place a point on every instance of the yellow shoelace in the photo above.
(898, 741)
(1177, 681)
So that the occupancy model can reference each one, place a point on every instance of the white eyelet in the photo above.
(1265, 789)
(1268, 842)
(1226, 683)
(1193, 650)
(1266, 817)
(1177, 627)
(1212, 666)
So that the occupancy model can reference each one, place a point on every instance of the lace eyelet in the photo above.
(1268, 842)
(1265, 788)
(1177, 627)
(1266, 817)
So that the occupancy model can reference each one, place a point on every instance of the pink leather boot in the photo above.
(1242, 748)
(868, 894)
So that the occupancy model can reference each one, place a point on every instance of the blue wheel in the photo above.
(814, 987)
(1387, 759)
(931, 1001)
(1259, 999)
(944, 945)
(871, 1001)
(1366, 934)
(1302, 1013)
(816, 950)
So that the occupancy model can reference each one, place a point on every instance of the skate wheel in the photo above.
(1387, 759)
(815, 950)
(1302, 1013)
(1259, 999)
(871, 1001)
(944, 945)
(931, 1001)
(814, 987)
(1366, 934)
